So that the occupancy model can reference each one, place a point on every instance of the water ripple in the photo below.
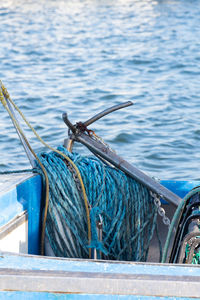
(81, 57)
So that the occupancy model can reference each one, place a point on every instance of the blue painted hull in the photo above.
(51, 278)
(28, 276)
(53, 296)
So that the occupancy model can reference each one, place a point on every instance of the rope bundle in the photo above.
(125, 206)
(80, 192)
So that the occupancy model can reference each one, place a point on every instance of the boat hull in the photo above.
(24, 274)
(28, 274)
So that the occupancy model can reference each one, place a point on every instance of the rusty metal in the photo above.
(104, 152)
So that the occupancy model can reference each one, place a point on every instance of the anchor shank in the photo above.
(99, 149)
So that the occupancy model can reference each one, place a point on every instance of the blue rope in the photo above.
(125, 206)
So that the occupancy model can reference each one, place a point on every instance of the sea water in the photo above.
(83, 56)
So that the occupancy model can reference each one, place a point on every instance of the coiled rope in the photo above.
(81, 191)
(4, 95)
(125, 207)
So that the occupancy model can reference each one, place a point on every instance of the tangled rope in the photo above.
(80, 192)
(5, 99)
(125, 206)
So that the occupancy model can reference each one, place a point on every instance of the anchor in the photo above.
(80, 133)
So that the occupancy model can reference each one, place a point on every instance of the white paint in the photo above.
(17, 240)
(10, 181)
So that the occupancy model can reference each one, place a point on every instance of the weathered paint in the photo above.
(34, 196)
(32, 276)
(180, 187)
(17, 240)
(52, 296)
(137, 282)
(10, 202)
(29, 262)
(20, 193)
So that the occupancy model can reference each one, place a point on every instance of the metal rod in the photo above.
(73, 128)
(68, 123)
(27, 150)
(106, 112)
(102, 151)
(98, 148)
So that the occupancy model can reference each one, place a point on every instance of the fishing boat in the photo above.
(31, 267)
